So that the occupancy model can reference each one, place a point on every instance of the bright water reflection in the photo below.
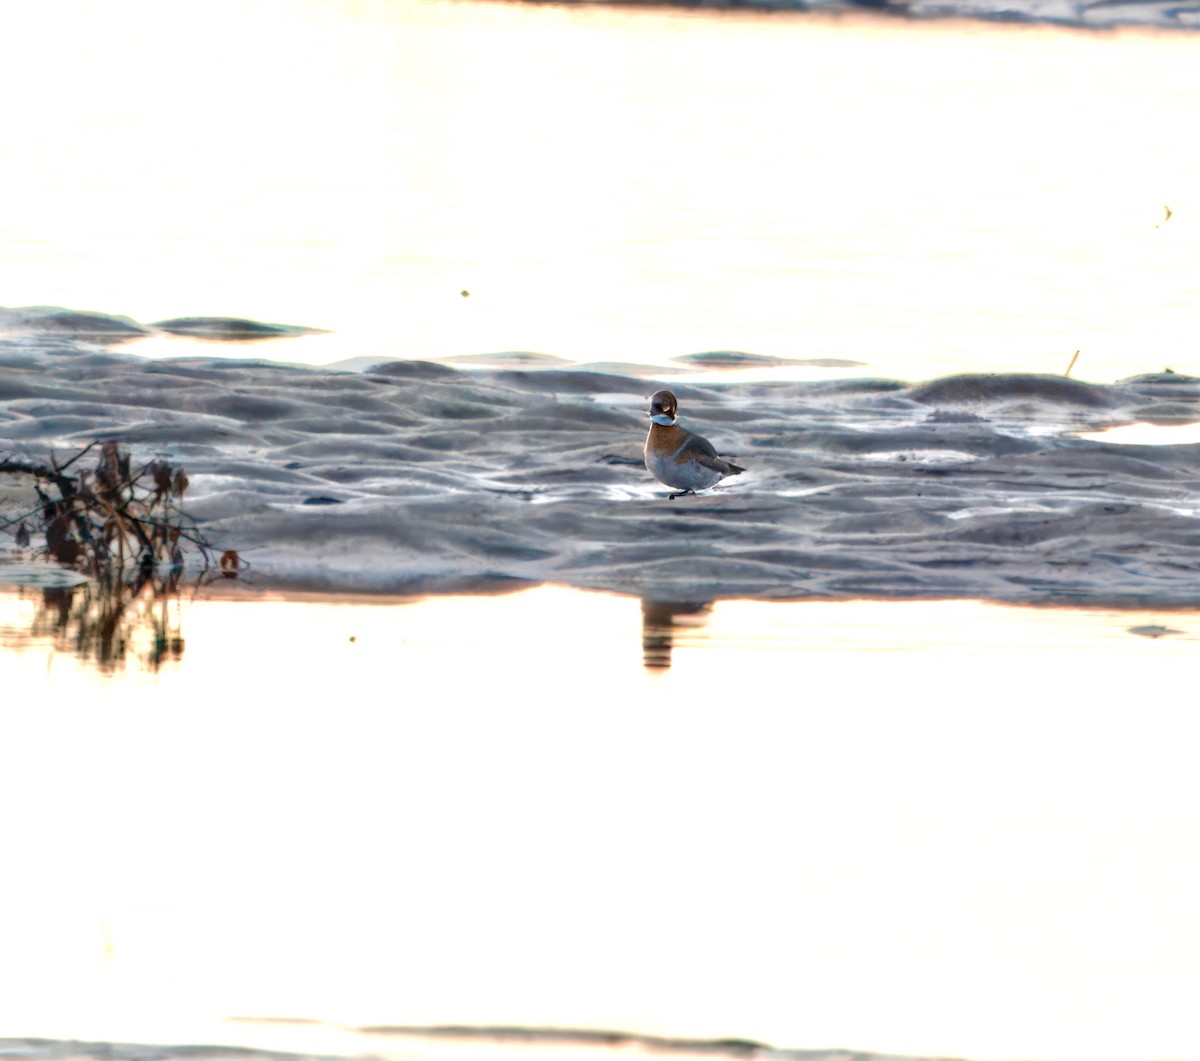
(942, 828)
(613, 184)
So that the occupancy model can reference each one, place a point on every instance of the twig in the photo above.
(104, 518)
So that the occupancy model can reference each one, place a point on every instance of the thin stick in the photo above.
(63, 467)
(1072, 364)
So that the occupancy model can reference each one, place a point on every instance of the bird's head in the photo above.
(662, 408)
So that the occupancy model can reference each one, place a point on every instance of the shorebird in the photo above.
(683, 461)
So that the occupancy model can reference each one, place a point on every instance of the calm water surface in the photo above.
(613, 185)
(940, 828)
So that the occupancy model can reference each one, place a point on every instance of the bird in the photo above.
(676, 457)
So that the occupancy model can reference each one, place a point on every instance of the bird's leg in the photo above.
(682, 493)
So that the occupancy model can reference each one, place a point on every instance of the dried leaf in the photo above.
(230, 563)
(108, 467)
(161, 472)
(59, 542)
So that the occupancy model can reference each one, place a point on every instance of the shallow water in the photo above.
(941, 828)
(619, 184)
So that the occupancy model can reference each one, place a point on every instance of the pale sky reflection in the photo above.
(924, 197)
(1142, 434)
(939, 828)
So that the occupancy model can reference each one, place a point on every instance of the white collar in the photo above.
(662, 420)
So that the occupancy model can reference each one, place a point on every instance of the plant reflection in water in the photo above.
(107, 623)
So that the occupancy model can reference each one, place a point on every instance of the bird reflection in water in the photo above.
(108, 625)
(663, 622)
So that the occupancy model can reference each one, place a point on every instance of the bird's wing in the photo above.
(719, 464)
(696, 448)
